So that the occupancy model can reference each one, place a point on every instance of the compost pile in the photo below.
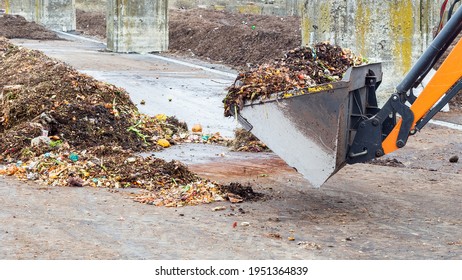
(64, 128)
(231, 38)
(15, 26)
(299, 68)
(42, 95)
(91, 23)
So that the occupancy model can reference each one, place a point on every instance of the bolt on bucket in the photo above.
(312, 128)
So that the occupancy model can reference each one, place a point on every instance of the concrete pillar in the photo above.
(54, 14)
(137, 25)
(293, 7)
(394, 32)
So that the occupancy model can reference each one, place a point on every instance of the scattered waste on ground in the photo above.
(245, 141)
(219, 208)
(454, 159)
(392, 162)
(309, 245)
(244, 192)
(274, 235)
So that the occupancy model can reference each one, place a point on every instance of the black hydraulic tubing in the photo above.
(451, 9)
(437, 47)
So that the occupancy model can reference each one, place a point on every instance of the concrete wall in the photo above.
(394, 32)
(137, 25)
(268, 7)
(259, 7)
(54, 14)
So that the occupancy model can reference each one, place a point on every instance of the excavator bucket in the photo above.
(312, 128)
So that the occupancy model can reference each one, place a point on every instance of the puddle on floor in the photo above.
(219, 163)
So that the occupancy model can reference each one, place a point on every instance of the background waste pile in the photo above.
(15, 26)
(299, 68)
(65, 128)
(238, 40)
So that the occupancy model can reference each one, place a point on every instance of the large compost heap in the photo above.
(299, 68)
(65, 128)
(16, 26)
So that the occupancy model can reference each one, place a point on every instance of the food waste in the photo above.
(64, 128)
(299, 68)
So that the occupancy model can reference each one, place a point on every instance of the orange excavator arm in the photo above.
(389, 129)
(446, 77)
